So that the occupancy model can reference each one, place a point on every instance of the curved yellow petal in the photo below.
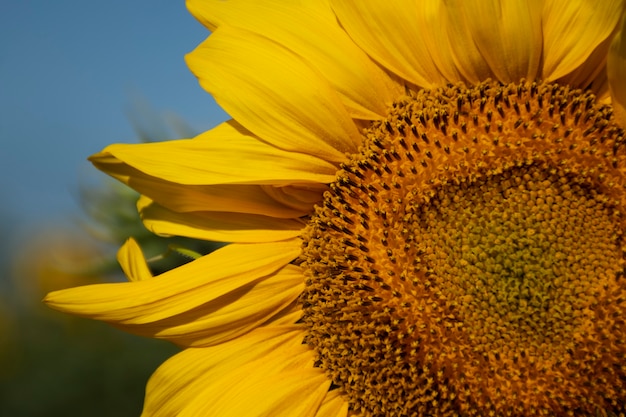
(229, 315)
(234, 198)
(600, 87)
(177, 291)
(299, 197)
(333, 406)
(216, 157)
(465, 53)
(274, 93)
(592, 73)
(432, 14)
(616, 72)
(572, 30)
(217, 226)
(507, 34)
(214, 14)
(180, 380)
(284, 383)
(132, 261)
(310, 30)
(290, 315)
(390, 32)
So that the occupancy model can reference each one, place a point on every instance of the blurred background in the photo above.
(76, 76)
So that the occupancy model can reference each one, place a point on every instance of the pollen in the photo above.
(469, 259)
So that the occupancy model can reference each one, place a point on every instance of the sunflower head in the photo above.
(426, 208)
(488, 275)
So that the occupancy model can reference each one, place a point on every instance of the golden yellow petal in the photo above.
(226, 13)
(217, 226)
(132, 261)
(467, 58)
(215, 157)
(592, 73)
(235, 198)
(310, 30)
(390, 33)
(290, 315)
(333, 406)
(181, 379)
(432, 14)
(177, 291)
(284, 383)
(572, 30)
(507, 35)
(298, 197)
(274, 93)
(616, 71)
(230, 315)
(600, 87)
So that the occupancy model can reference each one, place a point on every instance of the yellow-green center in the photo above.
(469, 259)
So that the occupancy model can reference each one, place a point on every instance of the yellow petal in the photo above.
(216, 157)
(217, 226)
(177, 291)
(432, 14)
(507, 34)
(227, 13)
(302, 197)
(333, 406)
(592, 73)
(284, 383)
(616, 71)
(181, 379)
(310, 30)
(230, 315)
(467, 58)
(235, 198)
(273, 93)
(290, 315)
(391, 34)
(572, 30)
(132, 261)
(600, 87)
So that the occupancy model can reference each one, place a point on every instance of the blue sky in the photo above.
(70, 71)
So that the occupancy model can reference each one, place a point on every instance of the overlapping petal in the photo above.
(215, 157)
(179, 381)
(572, 30)
(269, 368)
(183, 304)
(391, 34)
(231, 315)
(439, 39)
(465, 53)
(507, 34)
(309, 30)
(235, 198)
(616, 68)
(333, 406)
(299, 197)
(282, 384)
(274, 93)
(132, 261)
(217, 226)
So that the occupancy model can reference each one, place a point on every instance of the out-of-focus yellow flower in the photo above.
(55, 259)
(426, 207)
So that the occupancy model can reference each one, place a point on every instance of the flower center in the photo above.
(469, 259)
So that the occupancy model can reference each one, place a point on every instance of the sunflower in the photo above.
(425, 208)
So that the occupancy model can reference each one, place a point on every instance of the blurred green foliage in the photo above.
(113, 218)
(53, 364)
(59, 366)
